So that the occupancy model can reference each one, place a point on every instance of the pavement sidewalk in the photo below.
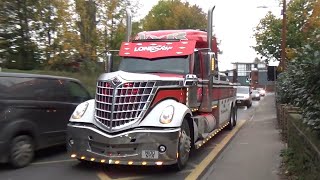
(254, 153)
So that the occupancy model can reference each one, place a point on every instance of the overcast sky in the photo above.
(234, 21)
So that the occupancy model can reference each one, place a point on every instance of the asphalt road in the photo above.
(55, 163)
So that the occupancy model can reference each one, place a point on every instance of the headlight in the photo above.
(80, 110)
(246, 96)
(167, 115)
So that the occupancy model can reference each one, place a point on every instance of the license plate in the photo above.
(238, 101)
(150, 154)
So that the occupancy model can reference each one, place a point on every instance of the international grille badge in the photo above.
(115, 81)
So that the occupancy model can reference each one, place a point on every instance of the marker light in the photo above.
(159, 163)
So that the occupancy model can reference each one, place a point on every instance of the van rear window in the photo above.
(17, 88)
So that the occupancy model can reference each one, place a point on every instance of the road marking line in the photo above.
(252, 117)
(214, 153)
(103, 176)
(52, 162)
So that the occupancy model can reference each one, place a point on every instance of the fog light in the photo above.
(162, 148)
(159, 163)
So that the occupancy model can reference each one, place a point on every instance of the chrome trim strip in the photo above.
(124, 156)
(128, 132)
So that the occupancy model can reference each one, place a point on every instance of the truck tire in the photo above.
(184, 146)
(235, 115)
(232, 119)
(21, 151)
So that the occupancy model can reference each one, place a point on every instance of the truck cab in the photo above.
(163, 101)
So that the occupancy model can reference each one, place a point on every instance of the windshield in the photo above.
(243, 90)
(176, 65)
(255, 91)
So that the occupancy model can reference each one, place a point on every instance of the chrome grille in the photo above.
(123, 104)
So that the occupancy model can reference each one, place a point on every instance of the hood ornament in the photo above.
(115, 81)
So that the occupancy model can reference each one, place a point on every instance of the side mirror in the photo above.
(190, 80)
(108, 63)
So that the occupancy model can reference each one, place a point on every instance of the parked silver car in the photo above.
(244, 97)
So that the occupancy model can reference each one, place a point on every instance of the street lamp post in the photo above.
(284, 36)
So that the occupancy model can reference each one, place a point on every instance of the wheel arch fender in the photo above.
(153, 117)
(22, 127)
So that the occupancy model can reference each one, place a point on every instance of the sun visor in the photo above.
(151, 50)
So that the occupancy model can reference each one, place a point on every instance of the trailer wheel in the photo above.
(184, 146)
(21, 151)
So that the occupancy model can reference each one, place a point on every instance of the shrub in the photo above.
(300, 84)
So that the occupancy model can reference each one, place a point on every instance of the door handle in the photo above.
(51, 110)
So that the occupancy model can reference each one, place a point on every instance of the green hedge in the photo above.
(299, 85)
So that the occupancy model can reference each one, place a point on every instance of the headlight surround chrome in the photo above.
(80, 110)
(167, 115)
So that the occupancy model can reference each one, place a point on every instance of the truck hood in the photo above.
(126, 76)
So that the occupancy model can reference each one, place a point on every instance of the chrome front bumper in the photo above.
(89, 143)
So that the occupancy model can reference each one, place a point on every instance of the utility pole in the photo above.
(284, 36)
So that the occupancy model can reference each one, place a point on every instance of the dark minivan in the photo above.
(34, 112)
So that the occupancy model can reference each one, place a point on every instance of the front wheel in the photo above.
(184, 146)
(233, 118)
(21, 151)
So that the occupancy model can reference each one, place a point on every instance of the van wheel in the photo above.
(184, 146)
(21, 151)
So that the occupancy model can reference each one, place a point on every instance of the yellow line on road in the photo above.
(214, 153)
(103, 176)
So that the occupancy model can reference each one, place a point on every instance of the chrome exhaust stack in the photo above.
(206, 103)
(129, 25)
(209, 28)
